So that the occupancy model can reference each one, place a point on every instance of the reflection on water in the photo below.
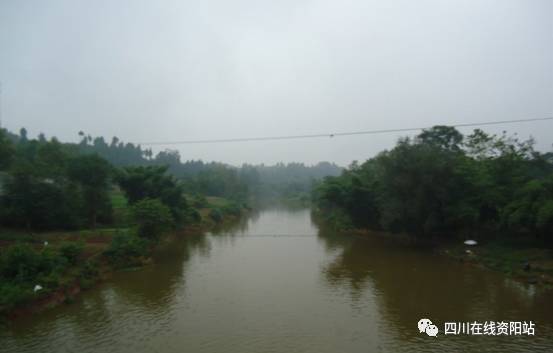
(276, 282)
(409, 284)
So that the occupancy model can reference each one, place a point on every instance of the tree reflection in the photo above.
(409, 283)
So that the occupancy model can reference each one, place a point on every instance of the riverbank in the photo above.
(79, 260)
(516, 257)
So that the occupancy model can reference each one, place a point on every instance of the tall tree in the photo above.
(92, 173)
(6, 150)
(151, 182)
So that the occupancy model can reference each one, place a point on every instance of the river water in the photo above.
(276, 282)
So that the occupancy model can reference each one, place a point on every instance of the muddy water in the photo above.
(277, 283)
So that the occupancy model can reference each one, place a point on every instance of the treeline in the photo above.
(46, 184)
(287, 181)
(49, 185)
(442, 182)
(208, 178)
(218, 179)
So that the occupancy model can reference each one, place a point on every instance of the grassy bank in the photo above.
(64, 263)
(517, 258)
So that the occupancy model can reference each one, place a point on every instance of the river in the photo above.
(276, 282)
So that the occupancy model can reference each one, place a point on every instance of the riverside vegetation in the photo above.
(72, 212)
(441, 185)
(69, 217)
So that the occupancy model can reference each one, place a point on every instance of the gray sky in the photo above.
(177, 70)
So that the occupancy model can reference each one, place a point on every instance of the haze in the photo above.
(181, 70)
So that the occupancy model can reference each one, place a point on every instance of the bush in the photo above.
(71, 251)
(193, 216)
(20, 263)
(22, 267)
(50, 280)
(232, 209)
(126, 248)
(12, 294)
(31, 200)
(199, 201)
(152, 218)
(216, 215)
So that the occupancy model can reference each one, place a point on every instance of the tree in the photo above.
(140, 183)
(152, 218)
(37, 193)
(420, 189)
(17, 203)
(440, 183)
(51, 160)
(443, 137)
(37, 203)
(92, 174)
(6, 150)
(23, 135)
(532, 208)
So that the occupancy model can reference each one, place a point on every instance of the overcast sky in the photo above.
(206, 69)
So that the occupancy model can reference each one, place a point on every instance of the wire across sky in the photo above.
(335, 134)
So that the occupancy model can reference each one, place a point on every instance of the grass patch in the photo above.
(120, 205)
(510, 256)
(214, 201)
(118, 199)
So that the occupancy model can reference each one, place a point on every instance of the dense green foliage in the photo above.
(92, 174)
(442, 182)
(152, 218)
(126, 249)
(216, 215)
(152, 182)
(216, 179)
(22, 267)
(46, 185)
(71, 251)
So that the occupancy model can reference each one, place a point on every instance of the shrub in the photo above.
(125, 248)
(216, 215)
(232, 209)
(152, 218)
(71, 251)
(20, 263)
(193, 216)
(50, 280)
(199, 201)
(12, 294)
(22, 267)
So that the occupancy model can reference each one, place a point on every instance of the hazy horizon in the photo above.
(173, 70)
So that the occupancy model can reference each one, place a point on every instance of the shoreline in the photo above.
(67, 292)
(526, 264)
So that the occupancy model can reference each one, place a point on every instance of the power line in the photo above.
(330, 135)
